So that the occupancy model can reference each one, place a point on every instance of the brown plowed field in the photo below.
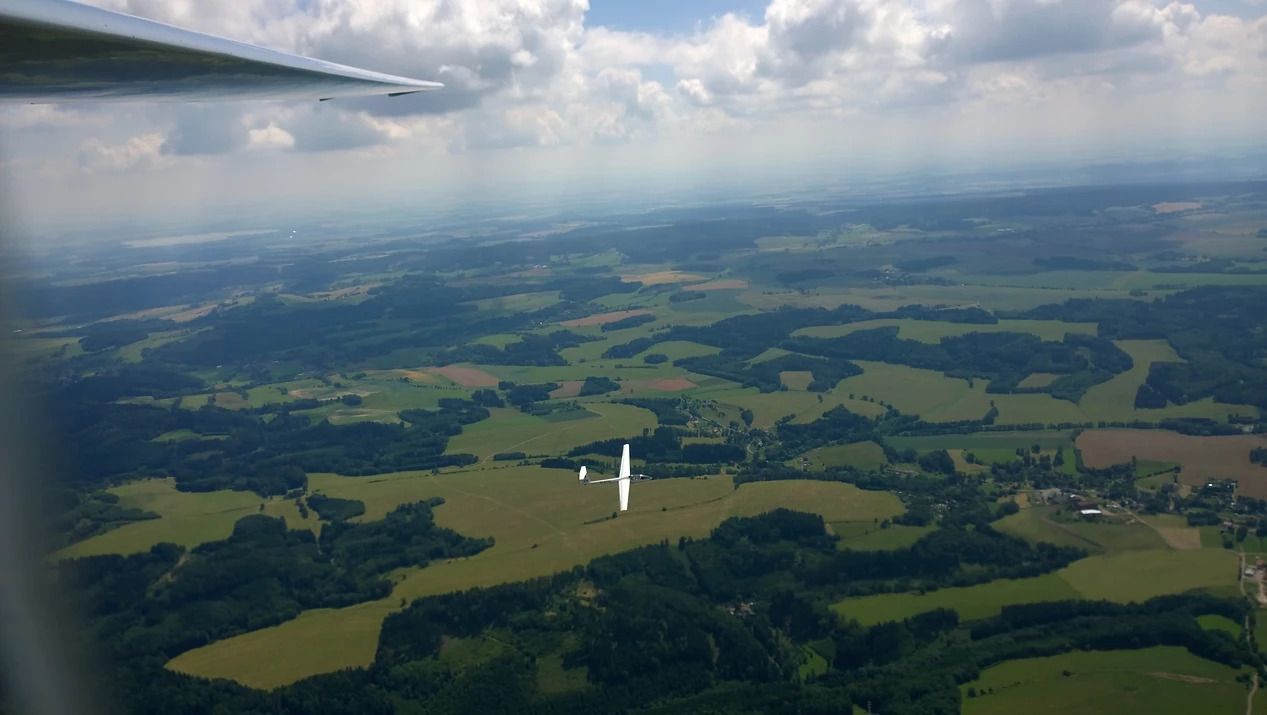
(603, 318)
(1200, 458)
(567, 388)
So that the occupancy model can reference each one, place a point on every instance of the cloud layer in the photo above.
(829, 73)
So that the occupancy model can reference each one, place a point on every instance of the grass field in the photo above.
(1214, 622)
(971, 602)
(939, 398)
(1162, 680)
(985, 442)
(542, 523)
(863, 455)
(1041, 524)
(932, 331)
(1115, 400)
(767, 408)
(1123, 577)
(868, 536)
(509, 430)
(884, 299)
(186, 518)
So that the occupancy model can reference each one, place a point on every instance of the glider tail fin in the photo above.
(584, 476)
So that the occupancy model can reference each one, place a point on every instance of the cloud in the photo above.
(271, 137)
(144, 151)
(206, 129)
(529, 74)
(1008, 30)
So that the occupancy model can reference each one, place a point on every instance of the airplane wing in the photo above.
(57, 51)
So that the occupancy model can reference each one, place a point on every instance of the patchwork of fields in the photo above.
(542, 522)
(549, 323)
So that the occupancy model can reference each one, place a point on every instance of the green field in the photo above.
(541, 521)
(1122, 577)
(1115, 400)
(863, 455)
(1161, 680)
(1041, 524)
(932, 331)
(186, 518)
(767, 408)
(870, 537)
(887, 298)
(1214, 622)
(509, 430)
(938, 398)
(971, 602)
(980, 442)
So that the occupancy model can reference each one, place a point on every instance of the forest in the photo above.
(238, 450)
(1219, 331)
(721, 624)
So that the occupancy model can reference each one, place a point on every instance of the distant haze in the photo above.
(547, 102)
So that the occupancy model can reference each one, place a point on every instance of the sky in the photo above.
(551, 100)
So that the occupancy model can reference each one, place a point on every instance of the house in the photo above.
(1090, 513)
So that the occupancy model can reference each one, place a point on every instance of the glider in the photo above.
(622, 479)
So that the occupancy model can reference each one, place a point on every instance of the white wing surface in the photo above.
(623, 484)
(57, 51)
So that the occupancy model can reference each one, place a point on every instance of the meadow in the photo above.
(542, 523)
(186, 518)
(1122, 577)
(1163, 680)
(1042, 524)
(932, 331)
(509, 430)
(862, 455)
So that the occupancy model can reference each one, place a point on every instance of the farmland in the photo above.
(1200, 458)
(541, 522)
(946, 385)
(1154, 680)
(185, 518)
(1121, 577)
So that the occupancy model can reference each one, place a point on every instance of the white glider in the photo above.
(622, 480)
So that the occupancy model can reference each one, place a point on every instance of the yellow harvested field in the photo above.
(1200, 458)
(603, 318)
(662, 278)
(1170, 207)
(722, 284)
(465, 376)
(413, 375)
